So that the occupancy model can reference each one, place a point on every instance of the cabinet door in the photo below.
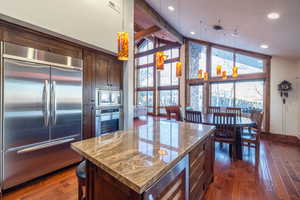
(115, 74)
(101, 71)
(172, 185)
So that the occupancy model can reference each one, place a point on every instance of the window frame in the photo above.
(159, 45)
(264, 75)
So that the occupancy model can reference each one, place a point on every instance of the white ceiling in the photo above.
(250, 17)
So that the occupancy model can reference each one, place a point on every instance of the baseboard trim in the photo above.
(281, 138)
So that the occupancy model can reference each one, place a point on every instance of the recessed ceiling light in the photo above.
(171, 8)
(193, 33)
(273, 15)
(264, 46)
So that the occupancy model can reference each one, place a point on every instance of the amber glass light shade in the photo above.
(235, 71)
(160, 60)
(178, 69)
(224, 75)
(206, 76)
(219, 70)
(123, 46)
(200, 73)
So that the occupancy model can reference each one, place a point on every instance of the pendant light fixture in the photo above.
(219, 70)
(200, 74)
(205, 76)
(123, 39)
(160, 60)
(224, 75)
(178, 69)
(235, 71)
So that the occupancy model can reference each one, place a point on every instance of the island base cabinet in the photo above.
(201, 168)
(187, 179)
(172, 185)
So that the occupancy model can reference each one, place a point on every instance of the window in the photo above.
(197, 59)
(167, 79)
(150, 83)
(222, 94)
(167, 98)
(168, 75)
(145, 98)
(249, 95)
(172, 53)
(145, 77)
(249, 65)
(223, 58)
(196, 97)
(145, 60)
(145, 46)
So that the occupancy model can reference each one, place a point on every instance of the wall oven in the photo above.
(109, 112)
(108, 98)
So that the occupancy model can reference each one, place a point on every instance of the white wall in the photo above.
(89, 21)
(284, 118)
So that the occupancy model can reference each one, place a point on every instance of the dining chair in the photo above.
(252, 140)
(226, 130)
(193, 116)
(237, 111)
(214, 109)
(173, 110)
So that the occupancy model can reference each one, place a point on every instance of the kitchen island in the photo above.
(160, 160)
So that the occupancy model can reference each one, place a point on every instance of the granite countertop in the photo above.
(140, 156)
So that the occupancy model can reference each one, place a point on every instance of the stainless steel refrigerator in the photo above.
(41, 112)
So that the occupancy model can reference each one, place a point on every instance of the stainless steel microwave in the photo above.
(108, 98)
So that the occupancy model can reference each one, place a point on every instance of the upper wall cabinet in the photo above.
(108, 72)
(92, 22)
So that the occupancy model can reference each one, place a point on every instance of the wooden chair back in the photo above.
(214, 109)
(237, 111)
(225, 124)
(173, 110)
(258, 118)
(193, 116)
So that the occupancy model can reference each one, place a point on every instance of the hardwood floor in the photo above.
(277, 178)
(61, 185)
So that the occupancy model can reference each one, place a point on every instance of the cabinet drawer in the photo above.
(198, 150)
(199, 188)
(197, 168)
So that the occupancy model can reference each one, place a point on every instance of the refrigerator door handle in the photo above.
(46, 103)
(43, 146)
(54, 103)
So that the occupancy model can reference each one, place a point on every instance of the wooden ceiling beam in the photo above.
(146, 32)
(158, 20)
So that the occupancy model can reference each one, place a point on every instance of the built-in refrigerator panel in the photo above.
(33, 143)
(66, 98)
(26, 103)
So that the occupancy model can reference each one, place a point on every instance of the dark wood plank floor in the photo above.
(277, 178)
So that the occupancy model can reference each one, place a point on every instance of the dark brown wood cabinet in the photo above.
(201, 168)
(187, 179)
(108, 72)
(115, 74)
(102, 64)
(100, 71)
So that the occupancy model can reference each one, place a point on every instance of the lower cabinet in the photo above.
(201, 163)
(173, 185)
(187, 179)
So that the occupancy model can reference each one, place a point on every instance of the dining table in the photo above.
(241, 123)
